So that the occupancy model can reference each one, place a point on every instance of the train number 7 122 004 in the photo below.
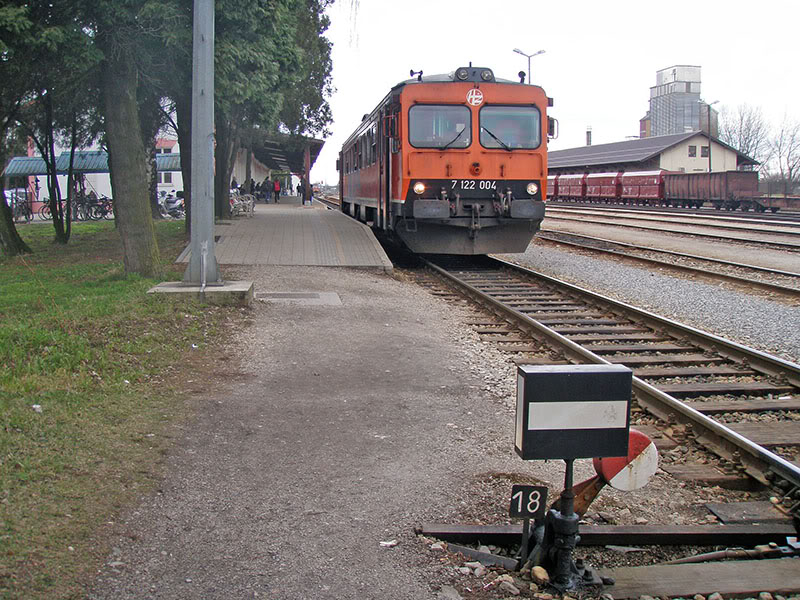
(473, 184)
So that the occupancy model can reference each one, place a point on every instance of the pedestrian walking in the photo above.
(276, 187)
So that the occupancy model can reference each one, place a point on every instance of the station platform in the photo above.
(289, 234)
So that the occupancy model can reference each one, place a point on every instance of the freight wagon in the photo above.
(729, 189)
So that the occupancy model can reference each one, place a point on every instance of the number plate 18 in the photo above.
(528, 501)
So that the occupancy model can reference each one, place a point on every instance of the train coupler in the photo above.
(475, 223)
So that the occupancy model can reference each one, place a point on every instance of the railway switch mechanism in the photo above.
(566, 412)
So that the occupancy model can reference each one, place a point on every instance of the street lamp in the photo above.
(709, 130)
(537, 53)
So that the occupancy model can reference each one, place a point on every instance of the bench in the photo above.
(243, 204)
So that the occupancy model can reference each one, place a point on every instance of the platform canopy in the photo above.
(85, 161)
(285, 152)
(279, 153)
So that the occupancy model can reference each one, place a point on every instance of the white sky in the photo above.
(600, 58)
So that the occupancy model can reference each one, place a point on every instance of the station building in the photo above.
(684, 153)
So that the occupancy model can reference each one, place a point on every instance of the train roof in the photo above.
(468, 74)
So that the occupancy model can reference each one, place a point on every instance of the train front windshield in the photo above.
(439, 126)
(510, 127)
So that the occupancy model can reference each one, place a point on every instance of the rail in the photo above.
(755, 460)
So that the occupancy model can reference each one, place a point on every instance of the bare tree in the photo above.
(785, 148)
(747, 130)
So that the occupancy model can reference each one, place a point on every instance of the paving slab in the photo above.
(291, 234)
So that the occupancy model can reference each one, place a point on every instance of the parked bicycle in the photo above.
(22, 211)
(84, 208)
(102, 208)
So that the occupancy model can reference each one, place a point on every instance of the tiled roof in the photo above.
(629, 151)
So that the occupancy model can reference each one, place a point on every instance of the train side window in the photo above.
(692, 151)
(374, 142)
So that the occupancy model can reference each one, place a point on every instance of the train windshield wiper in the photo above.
(499, 141)
(453, 141)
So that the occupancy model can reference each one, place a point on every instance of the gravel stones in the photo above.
(745, 318)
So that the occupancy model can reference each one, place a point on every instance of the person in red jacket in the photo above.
(276, 188)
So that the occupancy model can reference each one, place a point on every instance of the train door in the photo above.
(387, 127)
(380, 218)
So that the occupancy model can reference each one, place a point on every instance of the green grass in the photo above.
(105, 362)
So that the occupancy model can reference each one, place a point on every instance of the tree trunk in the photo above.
(49, 155)
(10, 242)
(227, 147)
(150, 121)
(248, 172)
(183, 113)
(128, 163)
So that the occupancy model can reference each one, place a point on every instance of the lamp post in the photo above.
(709, 130)
(529, 56)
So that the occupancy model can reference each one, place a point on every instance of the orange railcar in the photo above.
(453, 164)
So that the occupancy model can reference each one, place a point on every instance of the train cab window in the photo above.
(510, 127)
(692, 151)
(439, 126)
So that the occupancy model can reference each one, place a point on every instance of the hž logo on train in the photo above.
(474, 97)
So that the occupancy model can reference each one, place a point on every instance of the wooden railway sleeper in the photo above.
(715, 436)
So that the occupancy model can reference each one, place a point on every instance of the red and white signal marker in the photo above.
(633, 471)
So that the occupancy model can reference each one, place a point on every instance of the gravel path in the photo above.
(324, 431)
(330, 429)
(745, 318)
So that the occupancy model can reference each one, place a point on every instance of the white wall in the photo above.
(677, 158)
(258, 171)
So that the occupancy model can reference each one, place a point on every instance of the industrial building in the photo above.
(675, 104)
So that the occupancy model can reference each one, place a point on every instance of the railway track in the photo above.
(791, 228)
(762, 237)
(744, 274)
(789, 218)
(701, 387)
(329, 201)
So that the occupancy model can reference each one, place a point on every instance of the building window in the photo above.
(692, 151)
(704, 151)
(164, 177)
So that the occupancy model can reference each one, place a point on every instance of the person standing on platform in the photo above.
(266, 189)
(277, 189)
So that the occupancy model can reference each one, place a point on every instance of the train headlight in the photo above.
(486, 75)
(462, 73)
(532, 188)
(419, 188)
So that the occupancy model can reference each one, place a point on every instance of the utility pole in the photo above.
(708, 106)
(537, 53)
(202, 269)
